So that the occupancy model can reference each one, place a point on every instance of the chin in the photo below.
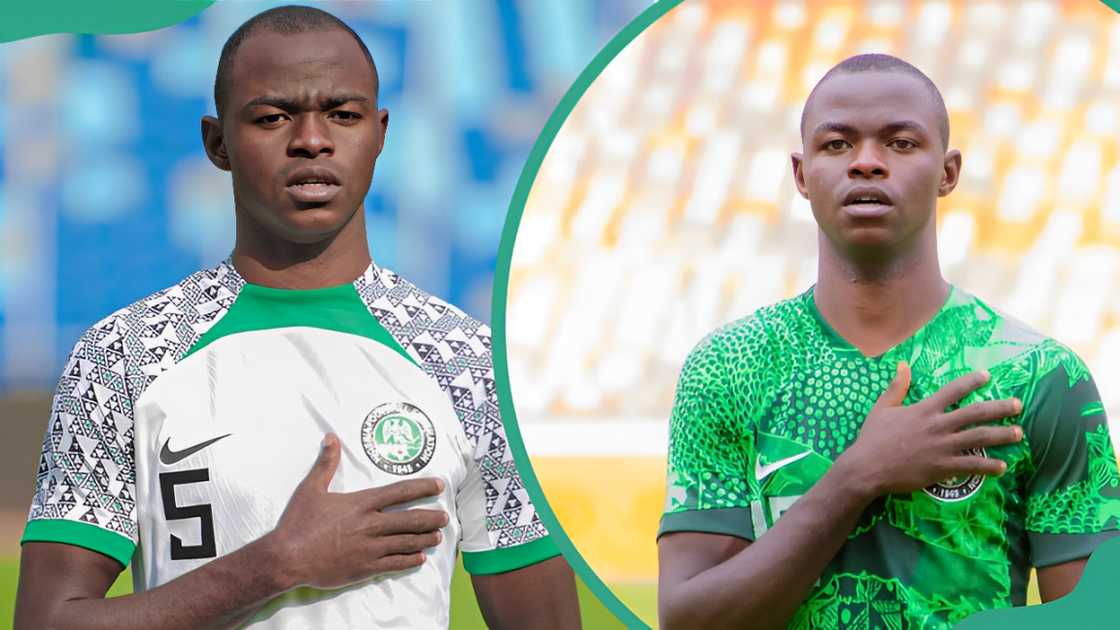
(866, 242)
(311, 225)
(309, 234)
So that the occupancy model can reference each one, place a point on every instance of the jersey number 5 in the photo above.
(167, 483)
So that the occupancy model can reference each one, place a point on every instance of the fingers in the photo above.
(896, 391)
(403, 551)
(322, 471)
(982, 437)
(414, 521)
(401, 492)
(984, 411)
(977, 465)
(404, 544)
(388, 564)
(957, 389)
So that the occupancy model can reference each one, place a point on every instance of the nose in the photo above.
(310, 137)
(867, 162)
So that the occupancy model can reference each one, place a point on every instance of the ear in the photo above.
(798, 161)
(383, 128)
(951, 174)
(214, 141)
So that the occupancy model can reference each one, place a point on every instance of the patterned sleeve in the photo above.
(86, 483)
(476, 545)
(709, 487)
(518, 538)
(1073, 495)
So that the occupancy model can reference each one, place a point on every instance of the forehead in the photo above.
(315, 61)
(871, 99)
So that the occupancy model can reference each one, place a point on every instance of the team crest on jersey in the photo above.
(960, 487)
(399, 438)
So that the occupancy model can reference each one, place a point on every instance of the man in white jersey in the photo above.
(296, 437)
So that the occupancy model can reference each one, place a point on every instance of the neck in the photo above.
(876, 303)
(264, 259)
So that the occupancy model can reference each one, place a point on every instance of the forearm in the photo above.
(220, 594)
(762, 585)
(542, 595)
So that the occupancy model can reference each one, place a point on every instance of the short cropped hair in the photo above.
(286, 20)
(877, 62)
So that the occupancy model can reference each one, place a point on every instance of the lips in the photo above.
(312, 185)
(867, 202)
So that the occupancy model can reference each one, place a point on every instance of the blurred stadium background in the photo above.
(106, 195)
(665, 207)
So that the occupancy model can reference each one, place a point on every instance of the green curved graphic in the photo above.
(1085, 608)
(19, 20)
(501, 289)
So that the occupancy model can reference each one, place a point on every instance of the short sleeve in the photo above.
(511, 535)
(501, 528)
(470, 503)
(86, 482)
(1073, 496)
(710, 447)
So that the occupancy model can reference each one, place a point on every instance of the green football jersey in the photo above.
(766, 404)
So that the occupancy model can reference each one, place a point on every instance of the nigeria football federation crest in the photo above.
(960, 487)
(399, 438)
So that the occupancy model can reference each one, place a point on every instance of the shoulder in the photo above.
(151, 333)
(451, 347)
(421, 321)
(1047, 375)
(748, 343)
(1017, 346)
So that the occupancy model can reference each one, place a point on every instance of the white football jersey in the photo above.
(182, 424)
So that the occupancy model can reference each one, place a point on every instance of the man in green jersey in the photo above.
(908, 451)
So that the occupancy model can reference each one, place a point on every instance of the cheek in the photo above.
(818, 178)
(251, 166)
(250, 178)
(360, 165)
(926, 181)
(364, 150)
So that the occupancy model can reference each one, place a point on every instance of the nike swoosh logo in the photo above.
(761, 472)
(168, 457)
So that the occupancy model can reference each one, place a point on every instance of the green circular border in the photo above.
(1101, 574)
(501, 291)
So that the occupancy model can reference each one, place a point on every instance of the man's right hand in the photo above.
(901, 449)
(329, 540)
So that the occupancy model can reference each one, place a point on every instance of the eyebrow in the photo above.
(291, 105)
(898, 125)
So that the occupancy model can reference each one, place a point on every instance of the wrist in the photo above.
(273, 555)
(855, 479)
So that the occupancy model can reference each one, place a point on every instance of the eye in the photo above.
(345, 115)
(903, 144)
(271, 119)
(836, 145)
